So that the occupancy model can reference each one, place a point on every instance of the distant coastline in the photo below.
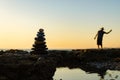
(58, 49)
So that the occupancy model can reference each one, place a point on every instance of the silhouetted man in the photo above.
(99, 36)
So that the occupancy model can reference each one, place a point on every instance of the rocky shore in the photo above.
(21, 65)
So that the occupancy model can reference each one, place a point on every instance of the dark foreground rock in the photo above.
(21, 65)
(25, 67)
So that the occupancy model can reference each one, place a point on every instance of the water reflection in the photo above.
(65, 73)
(86, 72)
(74, 74)
(111, 75)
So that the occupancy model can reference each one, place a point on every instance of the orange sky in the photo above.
(67, 24)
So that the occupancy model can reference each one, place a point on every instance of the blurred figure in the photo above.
(99, 36)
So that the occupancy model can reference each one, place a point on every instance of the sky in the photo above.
(67, 24)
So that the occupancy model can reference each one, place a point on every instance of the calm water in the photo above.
(78, 74)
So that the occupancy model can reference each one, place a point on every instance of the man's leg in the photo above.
(98, 46)
(101, 46)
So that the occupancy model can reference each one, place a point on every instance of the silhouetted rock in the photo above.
(17, 66)
(40, 47)
(25, 67)
(15, 51)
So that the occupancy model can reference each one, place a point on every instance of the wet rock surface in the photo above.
(21, 65)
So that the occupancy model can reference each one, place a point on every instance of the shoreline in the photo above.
(62, 49)
(21, 65)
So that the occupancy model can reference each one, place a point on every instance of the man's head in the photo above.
(102, 28)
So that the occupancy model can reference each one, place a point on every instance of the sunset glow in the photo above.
(68, 24)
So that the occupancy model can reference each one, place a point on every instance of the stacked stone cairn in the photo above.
(39, 46)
